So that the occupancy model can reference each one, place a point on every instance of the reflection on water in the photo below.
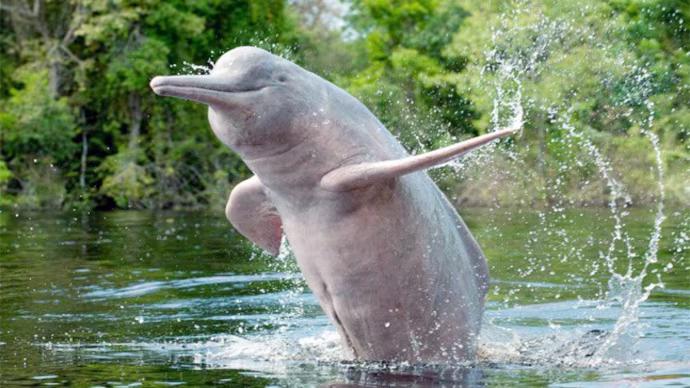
(178, 298)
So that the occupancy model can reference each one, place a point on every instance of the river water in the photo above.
(158, 299)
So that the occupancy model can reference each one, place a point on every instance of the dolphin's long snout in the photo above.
(191, 81)
(205, 89)
(157, 82)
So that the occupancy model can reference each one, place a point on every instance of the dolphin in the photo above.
(391, 262)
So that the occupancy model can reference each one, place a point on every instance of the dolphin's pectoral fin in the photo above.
(364, 174)
(253, 215)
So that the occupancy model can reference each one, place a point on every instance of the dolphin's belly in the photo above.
(395, 272)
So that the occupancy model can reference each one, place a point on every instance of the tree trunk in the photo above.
(137, 117)
(84, 156)
(31, 21)
(54, 81)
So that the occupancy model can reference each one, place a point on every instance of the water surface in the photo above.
(159, 299)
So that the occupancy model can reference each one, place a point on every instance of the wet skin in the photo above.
(391, 262)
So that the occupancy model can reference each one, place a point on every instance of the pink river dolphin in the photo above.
(389, 259)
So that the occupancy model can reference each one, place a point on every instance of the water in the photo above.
(578, 296)
(126, 298)
(528, 47)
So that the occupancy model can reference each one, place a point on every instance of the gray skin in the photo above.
(391, 262)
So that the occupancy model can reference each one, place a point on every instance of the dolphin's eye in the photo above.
(282, 78)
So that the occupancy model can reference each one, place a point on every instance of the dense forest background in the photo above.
(80, 128)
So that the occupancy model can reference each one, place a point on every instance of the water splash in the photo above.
(521, 53)
(268, 44)
(507, 71)
(191, 68)
(510, 69)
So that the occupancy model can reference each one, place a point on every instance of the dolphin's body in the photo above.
(391, 262)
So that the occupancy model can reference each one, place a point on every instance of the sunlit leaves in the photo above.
(33, 123)
(407, 82)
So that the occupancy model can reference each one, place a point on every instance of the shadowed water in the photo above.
(156, 299)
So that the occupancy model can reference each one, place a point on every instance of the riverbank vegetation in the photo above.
(600, 81)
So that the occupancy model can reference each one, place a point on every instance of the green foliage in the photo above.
(34, 124)
(407, 82)
(81, 100)
(5, 176)
(599, 68)
(36, 137)
(42, 185)
(129, 70)
(126, 181)
(79, 123)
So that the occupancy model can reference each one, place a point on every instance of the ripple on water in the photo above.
(145, 288)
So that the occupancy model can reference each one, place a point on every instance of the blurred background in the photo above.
(80, 128)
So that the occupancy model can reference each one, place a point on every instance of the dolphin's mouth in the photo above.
(206, 89)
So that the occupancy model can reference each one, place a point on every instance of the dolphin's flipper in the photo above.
(251, 212)
(364, 174)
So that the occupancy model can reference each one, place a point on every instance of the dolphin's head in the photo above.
(255, 99)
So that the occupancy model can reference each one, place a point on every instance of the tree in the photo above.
(592, 66)
(407, 82)
(128, 148)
